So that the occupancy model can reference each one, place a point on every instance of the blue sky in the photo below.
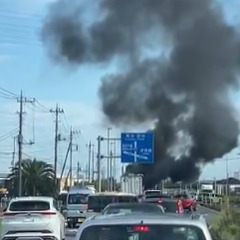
(24, 64)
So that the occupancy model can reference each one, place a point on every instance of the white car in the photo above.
(32, 217)
(143, 226)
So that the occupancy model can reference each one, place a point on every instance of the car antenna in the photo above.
(141, 222)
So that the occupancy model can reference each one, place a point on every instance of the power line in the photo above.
(7, 91)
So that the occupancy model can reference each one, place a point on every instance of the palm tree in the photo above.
(37, 179)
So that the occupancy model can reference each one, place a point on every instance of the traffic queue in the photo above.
(103, 215)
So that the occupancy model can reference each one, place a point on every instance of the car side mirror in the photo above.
(4, 210)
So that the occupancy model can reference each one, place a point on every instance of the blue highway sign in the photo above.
(137, 148)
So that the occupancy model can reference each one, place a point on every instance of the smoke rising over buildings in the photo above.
(183, 91)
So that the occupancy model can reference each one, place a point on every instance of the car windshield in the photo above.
(98, 203)
(29, 206)
(77, 198)
(143, 232)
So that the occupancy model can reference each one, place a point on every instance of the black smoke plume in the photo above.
(181, 60)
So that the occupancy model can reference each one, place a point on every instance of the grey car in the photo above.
(115, 208)
(147, 226)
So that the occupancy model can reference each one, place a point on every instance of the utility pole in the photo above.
(90, 145)
(20, 139)
(71, 153)
(14, 152)
(71, 158)
(113, 171)
(111, 175)
(56, 112)
(99, 164)
(93, 164)
(20, 142)
(78, 172)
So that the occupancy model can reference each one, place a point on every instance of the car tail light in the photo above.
(141, 229)
(16, 213)
(160, 201)
(47, 213)
(180, 207)
(9, 214)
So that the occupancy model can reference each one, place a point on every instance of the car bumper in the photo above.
(75, 220)
(32, 236)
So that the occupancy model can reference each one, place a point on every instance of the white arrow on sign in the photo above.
(135, 155)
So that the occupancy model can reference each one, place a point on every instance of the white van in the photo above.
(77, 205)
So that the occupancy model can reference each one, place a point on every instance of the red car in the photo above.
(188, 202)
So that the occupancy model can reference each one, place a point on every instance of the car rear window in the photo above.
(131, 209)
(98, 203)
(142, 232)
(170, 206)
(29, 206)
(184, 195)
(157, 195)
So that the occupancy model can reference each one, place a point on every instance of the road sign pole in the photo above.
(99, 163)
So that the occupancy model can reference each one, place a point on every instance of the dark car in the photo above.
(155, 194)
(169, 205)
(115, 208)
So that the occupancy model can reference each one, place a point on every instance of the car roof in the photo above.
(152, 191)
(130, 204)
(113, 194)
(146, 218)
(169, 200)
(32, 198)
(81, 190)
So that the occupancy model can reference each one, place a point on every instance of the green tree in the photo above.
(37, 179)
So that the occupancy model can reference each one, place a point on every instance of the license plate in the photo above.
(28, 220)
(80, 220)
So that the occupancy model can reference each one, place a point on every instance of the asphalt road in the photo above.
(209, 214)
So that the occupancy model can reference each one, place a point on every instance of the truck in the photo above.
(77, 205)
(132, 183)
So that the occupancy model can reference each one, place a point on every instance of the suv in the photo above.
(188, 202)
(32, 218)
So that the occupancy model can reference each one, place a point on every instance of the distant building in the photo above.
(236, 175)
(233, 185)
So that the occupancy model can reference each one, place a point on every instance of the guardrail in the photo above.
(213, 203)
(218, 203)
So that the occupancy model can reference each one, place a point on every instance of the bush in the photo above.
(234, 199)
(226, 226)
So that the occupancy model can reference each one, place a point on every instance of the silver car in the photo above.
(136, 226)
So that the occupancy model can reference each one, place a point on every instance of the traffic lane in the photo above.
(209, 214)
(70, 233)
